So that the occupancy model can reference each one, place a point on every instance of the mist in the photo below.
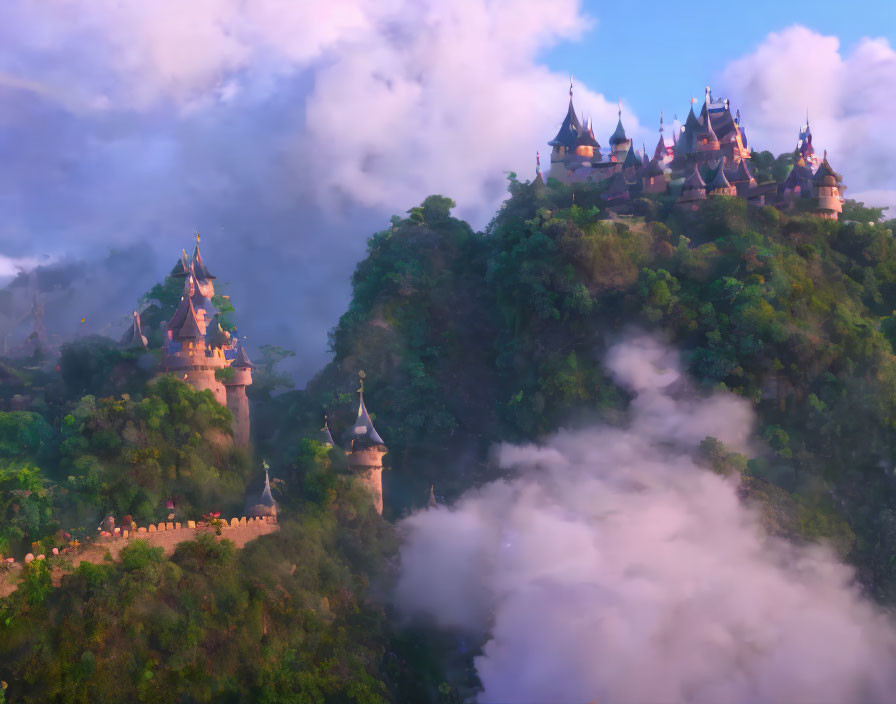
(609, 566)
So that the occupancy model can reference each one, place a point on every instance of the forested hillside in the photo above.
(467, 339)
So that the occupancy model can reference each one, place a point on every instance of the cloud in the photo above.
(850, 108)
(287, 133)
(610, 567)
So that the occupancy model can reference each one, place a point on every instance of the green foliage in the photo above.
(26, 508)
(855, 210)
(125, 456)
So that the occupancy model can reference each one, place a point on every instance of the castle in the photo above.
(708, 156)
(197, 349)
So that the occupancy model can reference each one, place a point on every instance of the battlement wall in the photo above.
(166, 535)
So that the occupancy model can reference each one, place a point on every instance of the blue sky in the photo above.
(656, 55)
(289, 132)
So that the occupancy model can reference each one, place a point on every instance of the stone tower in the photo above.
(196, 348)
(237, 401)
(827, 191)
(364, 449)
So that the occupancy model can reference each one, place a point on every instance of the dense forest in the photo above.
(467, 339)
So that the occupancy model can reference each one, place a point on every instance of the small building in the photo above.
(264, 505)
(653, 178)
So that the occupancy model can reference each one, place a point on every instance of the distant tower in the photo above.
(265, 505)
(364, 450)
(827, 191)
(619, 143)
(538, 183)
(237, 401)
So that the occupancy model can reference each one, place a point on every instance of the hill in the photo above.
(467, 339)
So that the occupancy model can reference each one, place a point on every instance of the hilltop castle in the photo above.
(708, 156)
(198, 350)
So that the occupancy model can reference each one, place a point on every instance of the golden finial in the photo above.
(196, 235)
(361, 376)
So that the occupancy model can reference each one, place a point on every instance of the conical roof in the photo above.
(134, 337)
(743, 172)
(631, 159)
(362, 432)
(695, 180)
(182, 268)
(267, 499)
(570, 129)
(432, 503)
(618, 136)
(653, 168)
(241, 361)
(586, 138)
(707, 131)
(719, 180)
(826, 176)
(325, 437)
(198, 267)
(660, 151)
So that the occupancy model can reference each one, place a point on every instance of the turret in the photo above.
(653, 178)
(720, 186)
(619, 143)
(564, 144)
(264, 505)
(237, 401)
(693, 191)
(364, 450)
(827, 191)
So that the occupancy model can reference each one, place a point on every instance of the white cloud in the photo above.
(848, 96)
(611, 567)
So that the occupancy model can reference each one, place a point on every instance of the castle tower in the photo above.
(827, 190)
(619, 143)
(196, 348)
(564, 144)
(364, 451)
(237, 401)
(186, 354)
(265, 505)
(693, 191)
(538, 184)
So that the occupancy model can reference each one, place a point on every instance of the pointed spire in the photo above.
(720, 181)
(537, 163)
(618, 136)
(362, 433)
(182, 268)
(134, 337)
(267, 499)
(432, 503)
(326, 437)
(661, 121)
(570, 86)
(241, 361)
